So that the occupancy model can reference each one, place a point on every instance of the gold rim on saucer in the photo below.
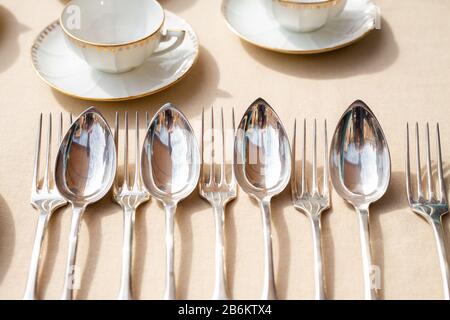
(309, 5)
(54, 25)
(293, 52)
(113, 46)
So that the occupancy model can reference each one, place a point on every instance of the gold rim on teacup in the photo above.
(309, 5)
(107, 46)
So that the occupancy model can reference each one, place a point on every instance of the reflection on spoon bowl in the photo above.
(86, 160)
(170, 156)
(262, 152)
(360, 159)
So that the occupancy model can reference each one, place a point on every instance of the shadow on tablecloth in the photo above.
(376, 52)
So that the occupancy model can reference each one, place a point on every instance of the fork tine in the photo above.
(315, 189)
(222, 165)
(213, 160)
(418, 169)
(408, 168)
(35, 181)
(60, 129)
(47, 174)
(147, 120)
(116, 142)
(204, 177)
(125, 150)
(304, 187)
(430, 192)
(137, 167)
(326, 179)
(116, 130)
(293, 170)
(70, 119)
(442, 187)
(233, 179)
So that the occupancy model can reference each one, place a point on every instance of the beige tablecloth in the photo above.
(401, 71)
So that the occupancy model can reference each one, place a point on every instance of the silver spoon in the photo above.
(170, 171)
(262, 165)
(84, 172)
(360, 169)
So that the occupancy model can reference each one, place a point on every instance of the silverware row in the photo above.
(168, 167)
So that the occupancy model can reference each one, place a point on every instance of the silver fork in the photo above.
(312, 203)
(45, 198)
(218, 192)
(129, 197)
(429, 205)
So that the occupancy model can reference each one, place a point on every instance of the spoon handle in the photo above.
(71, 281)
(318, 265)
(440, 242)
(220, 287)
(169, 293)
(30, 290)
(125, 282)
(369, 290)
(269, 292)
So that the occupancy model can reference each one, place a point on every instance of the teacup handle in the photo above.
(179, 34)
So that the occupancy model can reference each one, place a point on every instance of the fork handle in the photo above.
(318, 265)
(443, 260)
(169, 293)
(125, 282)
(269, 291)
(30, 289)
(70, 279)
(369, 290)
(220, 287)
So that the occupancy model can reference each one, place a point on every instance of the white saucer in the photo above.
(60, 68)
(253, 21)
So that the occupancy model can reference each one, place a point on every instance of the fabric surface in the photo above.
(400, 71)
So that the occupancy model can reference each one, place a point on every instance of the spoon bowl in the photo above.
(170, 171)
(84, 172)
(170, 156)
(262, 165)
(360, 170)
(262, 155)
(86, 161)
(360, 163)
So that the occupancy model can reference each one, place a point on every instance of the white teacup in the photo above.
(116, 35)
(306, 15)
